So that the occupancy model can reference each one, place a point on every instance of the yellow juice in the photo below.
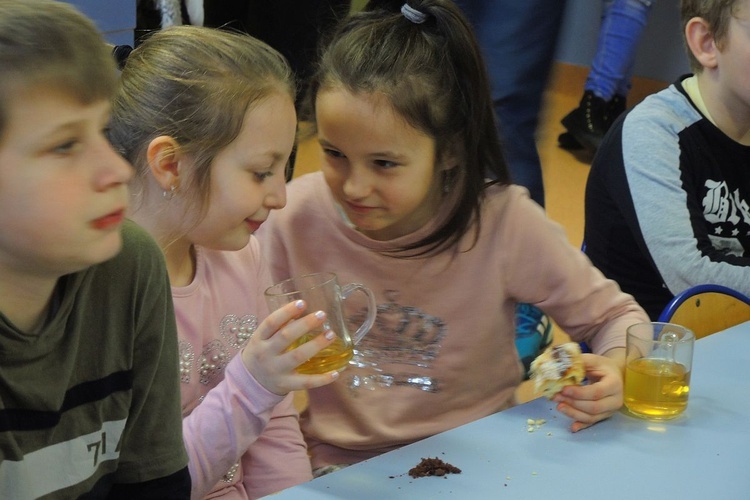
(656, 388)
(334, 357)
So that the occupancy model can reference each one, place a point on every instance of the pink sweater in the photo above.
(442, 351)
(242, 441)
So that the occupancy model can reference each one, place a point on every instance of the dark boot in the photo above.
(568, 142)
(589, 121)
(615, 108)
(587, 124)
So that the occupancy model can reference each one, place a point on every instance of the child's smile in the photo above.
(381, 170)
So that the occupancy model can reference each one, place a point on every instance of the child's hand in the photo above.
(265, 357)
(600, 399)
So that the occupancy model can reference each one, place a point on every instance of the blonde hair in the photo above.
(717, 13)
(194, 84)
(48, 43)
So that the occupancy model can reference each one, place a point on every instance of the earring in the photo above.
(168, 194)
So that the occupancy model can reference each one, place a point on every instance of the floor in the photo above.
(564, 173)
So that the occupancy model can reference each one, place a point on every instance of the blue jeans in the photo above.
(623, 22)
(518, 40)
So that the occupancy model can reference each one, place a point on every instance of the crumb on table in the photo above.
(433, 467)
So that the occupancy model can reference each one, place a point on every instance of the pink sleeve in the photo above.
(582, 302)
(221, 428)
(278, 459)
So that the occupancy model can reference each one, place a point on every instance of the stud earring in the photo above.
(168, 194)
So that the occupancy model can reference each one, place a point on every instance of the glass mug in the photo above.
(657, 373)
(322, 292)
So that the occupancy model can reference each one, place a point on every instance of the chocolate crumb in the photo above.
(433, 467)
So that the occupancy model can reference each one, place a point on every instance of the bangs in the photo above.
(51, 44)
(86, 84)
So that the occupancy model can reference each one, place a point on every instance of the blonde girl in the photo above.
(207, 117)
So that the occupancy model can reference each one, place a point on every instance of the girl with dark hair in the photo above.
(404, 116)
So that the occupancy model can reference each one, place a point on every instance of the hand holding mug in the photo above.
(267, 355)
(322, 292)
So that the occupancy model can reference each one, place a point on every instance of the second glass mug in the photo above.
(659, 364)
(322, 292)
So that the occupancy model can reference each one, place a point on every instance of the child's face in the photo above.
(734, 59)
(381, 170)
(247, 177)
(63, 188)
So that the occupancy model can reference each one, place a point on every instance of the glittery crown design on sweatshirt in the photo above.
(399, 349)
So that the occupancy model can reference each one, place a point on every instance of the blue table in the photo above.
(703, 454)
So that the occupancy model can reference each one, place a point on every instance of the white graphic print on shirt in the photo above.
(726, 211)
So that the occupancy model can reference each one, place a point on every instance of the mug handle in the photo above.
(372, 308)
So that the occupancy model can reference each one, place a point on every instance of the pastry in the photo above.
(560, 366)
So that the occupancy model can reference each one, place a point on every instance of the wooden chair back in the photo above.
(707, 309)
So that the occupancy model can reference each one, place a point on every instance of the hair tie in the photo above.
(121, 54)
(413, 14)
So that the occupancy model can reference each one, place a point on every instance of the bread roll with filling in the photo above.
(560, 366)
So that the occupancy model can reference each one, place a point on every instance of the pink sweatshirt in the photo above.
(442, 351)
(242, 441)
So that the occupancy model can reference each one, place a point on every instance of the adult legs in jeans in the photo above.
(518, 40)
(609, 79)
(623, 23)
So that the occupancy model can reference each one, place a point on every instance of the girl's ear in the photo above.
(163, 155)
(700, 40)
(451, 157)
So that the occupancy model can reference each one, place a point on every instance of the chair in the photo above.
(707, 309)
